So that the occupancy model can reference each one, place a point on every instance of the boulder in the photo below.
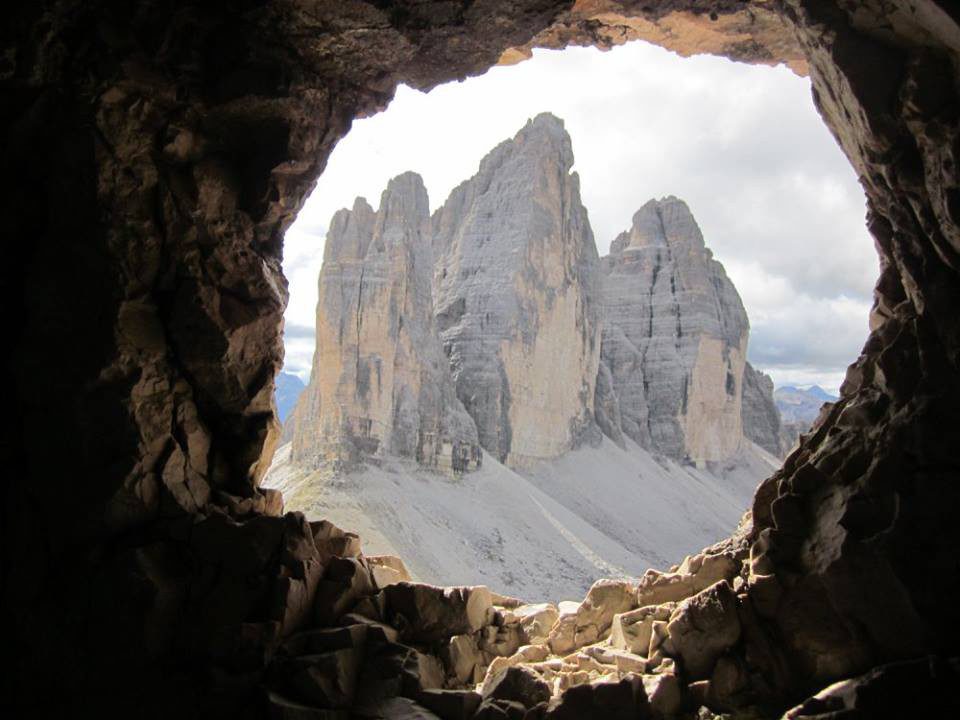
(526, 654)
(703, 627)
(517, 684)
(623, 700)
(581, 624)
(387, 570)
(388, 633)
(536, 620)
(450, 704)
(301, 567)
(695, 573)
(501, 641)
(345, 581)
(623, 661)
(331, 541)
(324, 680)
(309, 642)
(605, 599)
(729, 684)
(501, 710)
(427, 614)
(392, 669)
(463, 658)
(631, 630)
(561, 638)
(664, 693)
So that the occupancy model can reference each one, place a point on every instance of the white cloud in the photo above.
(777, 202)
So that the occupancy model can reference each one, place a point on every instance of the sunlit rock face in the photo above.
(761, 419)
(514, 277)
(674, 337)
(380, 384)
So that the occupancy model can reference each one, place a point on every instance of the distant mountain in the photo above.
(288, 389)
(799, 405)
(798, 409)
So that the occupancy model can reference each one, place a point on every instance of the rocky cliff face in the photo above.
(514, 293)
(761, 419)
(518, 303)
(379, 382)
(674, 337)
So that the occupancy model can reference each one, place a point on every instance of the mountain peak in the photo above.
(664, 222)
(545, 136)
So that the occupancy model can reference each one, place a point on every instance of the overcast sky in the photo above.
(777, 201)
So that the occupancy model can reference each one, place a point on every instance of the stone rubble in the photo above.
(657, 646)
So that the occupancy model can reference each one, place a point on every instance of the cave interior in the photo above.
(155, 154)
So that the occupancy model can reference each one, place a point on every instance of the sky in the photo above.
(778, 203)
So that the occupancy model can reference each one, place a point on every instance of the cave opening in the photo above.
(147, 574)
(763, 189)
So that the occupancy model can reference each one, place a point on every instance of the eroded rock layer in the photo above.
(674, 337)
(380, 384)
(514, 285)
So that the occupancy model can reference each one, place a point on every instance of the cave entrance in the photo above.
(734, 151)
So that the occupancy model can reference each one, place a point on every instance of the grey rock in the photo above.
(674, 337)
(514, 288)
(761, 419)
(380, 384)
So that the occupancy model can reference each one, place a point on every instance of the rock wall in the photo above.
(514, 286)
(674, 337)
(159, 153)
(761, 419)
(380, 383)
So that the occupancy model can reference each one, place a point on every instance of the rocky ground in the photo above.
(547, 532)
(664, 645)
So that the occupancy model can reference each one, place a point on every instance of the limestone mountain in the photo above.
(515, 296)
(801, 404)
(761, 418)
(674, 339)
(380, 383)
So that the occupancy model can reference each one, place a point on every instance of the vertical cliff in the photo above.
(674, 337)
(761, 418)
(514, 287)
(380, 383)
